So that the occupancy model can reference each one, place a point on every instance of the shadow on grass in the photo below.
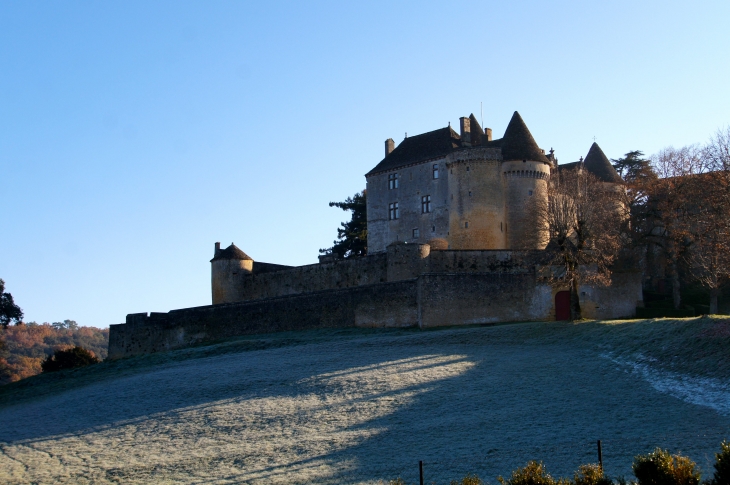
(532, 391)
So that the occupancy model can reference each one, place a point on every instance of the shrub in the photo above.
(590, 475)
(397, 481)
(722, 465)
(468, 480)
(661, 468)
(532, 474)
(69, 359)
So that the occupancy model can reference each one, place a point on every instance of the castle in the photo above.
(465, 190)
(446, 215)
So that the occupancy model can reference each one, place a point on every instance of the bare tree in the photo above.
(707, 227)
(661, 223)
(717, 152)
(687, 213)
(582, 220)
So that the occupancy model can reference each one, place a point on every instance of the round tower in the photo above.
(228, 268)
(525, 175)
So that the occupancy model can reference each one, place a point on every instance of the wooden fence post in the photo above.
(600, 455)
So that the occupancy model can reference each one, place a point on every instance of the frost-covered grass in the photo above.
(358, 406)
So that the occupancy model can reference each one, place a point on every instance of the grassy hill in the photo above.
(359, 405)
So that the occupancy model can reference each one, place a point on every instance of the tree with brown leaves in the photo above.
(582, 220)
(687, 215)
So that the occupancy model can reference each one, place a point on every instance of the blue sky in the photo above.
(134, 135)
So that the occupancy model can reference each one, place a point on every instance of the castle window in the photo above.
(425, 204)
(393, 181)
(467, 169)
(436, 171)
(416, 233)
(393, 211)
(470, 193)
(529, 192)
(466, 225)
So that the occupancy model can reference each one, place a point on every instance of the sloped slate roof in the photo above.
(597, 163)
(518, 143)
(231, 252)
(434, 144)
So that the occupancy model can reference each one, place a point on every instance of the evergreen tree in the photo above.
(633, 167)
(9, 311)
(352, 236)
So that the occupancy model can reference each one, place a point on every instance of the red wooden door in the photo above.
(562, 305)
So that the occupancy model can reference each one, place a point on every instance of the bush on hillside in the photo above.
(590, 475)
(722, 465)
(662, 468)
(532, 474)
(69, 359)
(468, 480)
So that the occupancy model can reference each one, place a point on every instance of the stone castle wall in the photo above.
(410, 285)
(414, 182)
(347, 273)
(476, 200)
(381, 305)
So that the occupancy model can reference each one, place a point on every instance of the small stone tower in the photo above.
(227, 268)
(525, 171)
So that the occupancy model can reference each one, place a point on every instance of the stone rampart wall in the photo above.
(477, 261)
(615, 301)
(341, 274)
(463, 299)
(381, 305)
(409, 285)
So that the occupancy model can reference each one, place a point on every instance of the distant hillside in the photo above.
(23, 347)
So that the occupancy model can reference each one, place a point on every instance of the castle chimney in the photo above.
(389, 146)
(488, 133)
(465, 125)
(217, 249)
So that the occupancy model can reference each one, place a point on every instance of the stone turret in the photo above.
(526, 171)
(228, 266)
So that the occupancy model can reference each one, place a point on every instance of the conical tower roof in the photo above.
(597, 163)
(231, 252)
(518, 143)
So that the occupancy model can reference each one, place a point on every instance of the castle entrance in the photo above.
(562, 305)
